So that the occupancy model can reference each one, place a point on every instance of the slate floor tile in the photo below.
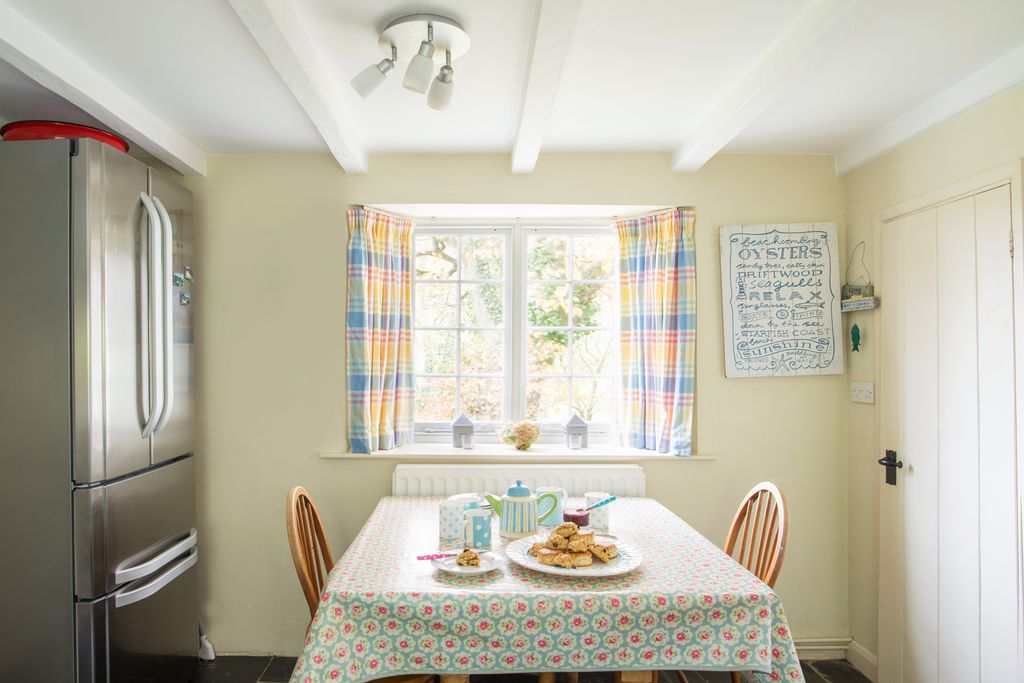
(232, 670)
(279, 670)
(838, 671)
(811, 674)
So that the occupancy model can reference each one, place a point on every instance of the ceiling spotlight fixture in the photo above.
(440, 95)
(370, 78)
(421, 67)
(445, 42)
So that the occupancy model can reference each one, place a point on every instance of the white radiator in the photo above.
(447, 480)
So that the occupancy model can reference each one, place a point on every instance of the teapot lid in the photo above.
(518, 491)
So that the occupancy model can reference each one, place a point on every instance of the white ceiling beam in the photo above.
(784, 64)
(278, 29)
(997, 76)
(46, 61)
(552, 36)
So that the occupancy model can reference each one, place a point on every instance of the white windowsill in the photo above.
(542, 452)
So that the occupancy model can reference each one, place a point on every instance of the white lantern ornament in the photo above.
(576, 432)
(462, 432)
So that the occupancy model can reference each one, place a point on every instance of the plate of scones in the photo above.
(571, 551)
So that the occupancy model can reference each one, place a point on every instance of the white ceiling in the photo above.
(788, 76)
(189, 61)
(22, 98)
(892, 56)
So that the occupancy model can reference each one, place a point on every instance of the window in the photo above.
(459, 305)
(571, 338)
(515, 322)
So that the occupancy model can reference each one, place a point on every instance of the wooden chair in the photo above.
(313, 559)
(761, 528)
(308, 543)
(763, 520)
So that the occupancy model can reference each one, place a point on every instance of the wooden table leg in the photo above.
(547, 677)
(634, 677)
(454, 678)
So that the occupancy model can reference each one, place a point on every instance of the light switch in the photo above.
(862, 392)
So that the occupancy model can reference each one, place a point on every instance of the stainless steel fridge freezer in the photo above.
(96, 417)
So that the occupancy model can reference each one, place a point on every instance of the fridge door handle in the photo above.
(128, 596)
(167, 288)
(156, 391)
(137, 571)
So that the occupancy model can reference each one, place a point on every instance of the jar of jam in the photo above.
(580, 518)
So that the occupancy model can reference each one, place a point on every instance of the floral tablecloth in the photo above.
(689, 606)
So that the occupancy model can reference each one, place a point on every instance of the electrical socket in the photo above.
(862, 392)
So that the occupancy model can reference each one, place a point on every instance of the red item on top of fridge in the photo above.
(55, 130)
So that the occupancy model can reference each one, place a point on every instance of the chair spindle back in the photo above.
(759, 532)
(308, 543)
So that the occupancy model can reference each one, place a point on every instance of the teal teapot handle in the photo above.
(554, 505)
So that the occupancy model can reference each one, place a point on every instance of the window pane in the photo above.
(594, 256)
(547, 400)
(435, 399)
(547, 305)
(592, 399)
(435, 305)
(482, 352)
(593, 305)
(483, 258)
(548, 352)
(546, 257)
(481, 398)
(436, 257)
(482, 305)
(593, 352)
(435, 352)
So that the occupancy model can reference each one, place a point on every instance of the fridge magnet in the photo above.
(780, 300)
(185, 299)
(188, 272)
(179, 280)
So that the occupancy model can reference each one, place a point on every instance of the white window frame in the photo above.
(598, 431)
(517, 233)
(426, 429)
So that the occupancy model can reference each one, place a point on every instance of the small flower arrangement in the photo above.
(519, 434)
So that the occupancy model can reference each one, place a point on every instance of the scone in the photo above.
(577, 546)
(572, 560)
(468, 558)
(557, 542)
(605, 553)
(584, 559)
(565, 560)
(547, 555)
(536, 548)
(587, 538)
(567, 529)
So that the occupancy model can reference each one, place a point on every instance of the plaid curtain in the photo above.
(378, 335)
(658, 294)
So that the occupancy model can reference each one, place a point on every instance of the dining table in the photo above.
(688, 606)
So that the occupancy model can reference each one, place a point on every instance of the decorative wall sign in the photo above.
(780, 300)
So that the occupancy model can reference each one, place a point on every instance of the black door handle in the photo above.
(890, 463)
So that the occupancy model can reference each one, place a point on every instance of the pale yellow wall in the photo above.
(983, 138)
(270, 292)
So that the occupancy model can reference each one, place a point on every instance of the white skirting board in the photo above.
(862, 660)
(447, 480)
(822, 648)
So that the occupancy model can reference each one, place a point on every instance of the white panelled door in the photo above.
(949, 582)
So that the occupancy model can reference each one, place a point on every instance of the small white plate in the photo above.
(466, 496)
(489, 561)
